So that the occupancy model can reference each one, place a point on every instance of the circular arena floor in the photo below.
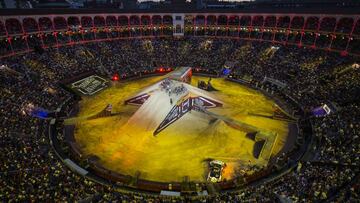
(185, 147)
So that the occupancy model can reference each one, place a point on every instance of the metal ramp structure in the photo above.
(268, 138)
(279, 114)
(106, 112)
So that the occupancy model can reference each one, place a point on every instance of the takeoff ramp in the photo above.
(268, 138)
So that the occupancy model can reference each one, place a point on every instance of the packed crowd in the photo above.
(30, 171)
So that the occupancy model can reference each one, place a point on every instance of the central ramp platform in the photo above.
(165, 102)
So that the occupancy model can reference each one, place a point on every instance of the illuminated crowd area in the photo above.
(292, 73)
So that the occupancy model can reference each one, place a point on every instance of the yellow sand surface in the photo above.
(184, 148)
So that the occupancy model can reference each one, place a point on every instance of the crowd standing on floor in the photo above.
(30, 171)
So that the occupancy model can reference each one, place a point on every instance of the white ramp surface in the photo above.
(155, 109)
(152, 112)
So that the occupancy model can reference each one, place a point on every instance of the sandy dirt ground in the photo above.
(182, 149)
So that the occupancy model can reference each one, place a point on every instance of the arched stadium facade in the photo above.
(332, 32)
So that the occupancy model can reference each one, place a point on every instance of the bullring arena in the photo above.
(233, 104)
(182, 149)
